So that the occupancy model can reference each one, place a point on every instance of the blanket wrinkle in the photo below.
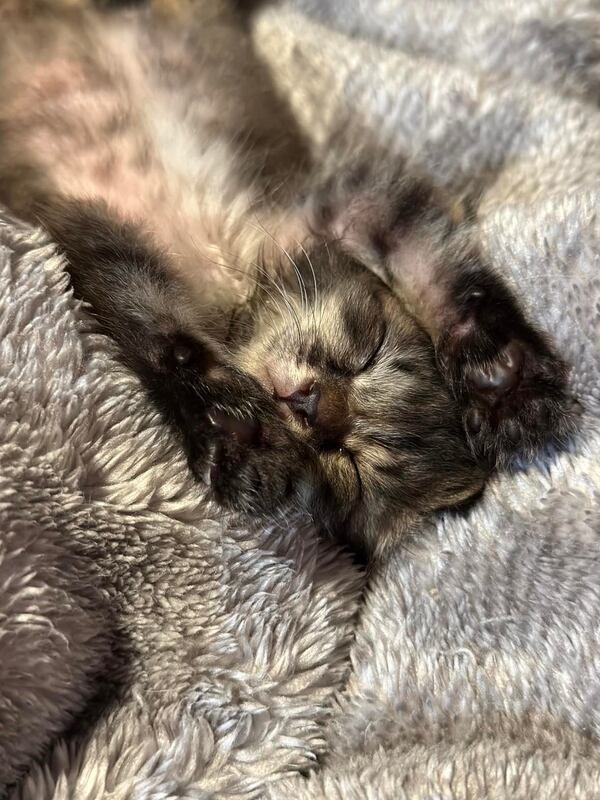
(152, 648)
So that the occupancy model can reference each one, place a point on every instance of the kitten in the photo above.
(347, 353)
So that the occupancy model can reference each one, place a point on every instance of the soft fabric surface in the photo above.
(151, 649)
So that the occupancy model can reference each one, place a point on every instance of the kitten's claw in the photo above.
(474, 420)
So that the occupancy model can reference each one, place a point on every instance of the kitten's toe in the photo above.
(207, 461)
(253, 467)
(245, 431)
(500, 376)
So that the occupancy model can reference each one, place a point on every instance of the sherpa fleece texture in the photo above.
(151, 649)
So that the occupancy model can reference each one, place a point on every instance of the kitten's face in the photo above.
(356, 377)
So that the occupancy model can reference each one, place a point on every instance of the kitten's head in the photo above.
(352, 375)
(356, 378)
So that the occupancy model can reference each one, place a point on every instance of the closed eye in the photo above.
(373, 357)
(400, 364)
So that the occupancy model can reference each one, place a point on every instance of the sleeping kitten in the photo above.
(348, 353)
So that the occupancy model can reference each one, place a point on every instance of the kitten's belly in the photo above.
(96, 127)
(83, 132)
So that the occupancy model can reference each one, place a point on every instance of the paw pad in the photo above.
(500, 376)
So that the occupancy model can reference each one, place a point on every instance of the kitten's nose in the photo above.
(303, 399)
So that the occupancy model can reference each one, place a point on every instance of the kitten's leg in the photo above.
(227, 423)
(511, 384)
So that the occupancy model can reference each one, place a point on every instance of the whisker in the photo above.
(264, 273)
(316, 298)
(282, 249)
(293, 313)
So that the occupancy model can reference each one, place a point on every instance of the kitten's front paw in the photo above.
(254, 466)
(235, 441)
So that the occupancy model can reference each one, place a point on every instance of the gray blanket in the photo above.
(152, 649)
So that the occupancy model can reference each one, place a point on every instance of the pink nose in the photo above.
(301, 397)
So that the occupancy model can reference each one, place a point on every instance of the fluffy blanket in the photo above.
(152, 649)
